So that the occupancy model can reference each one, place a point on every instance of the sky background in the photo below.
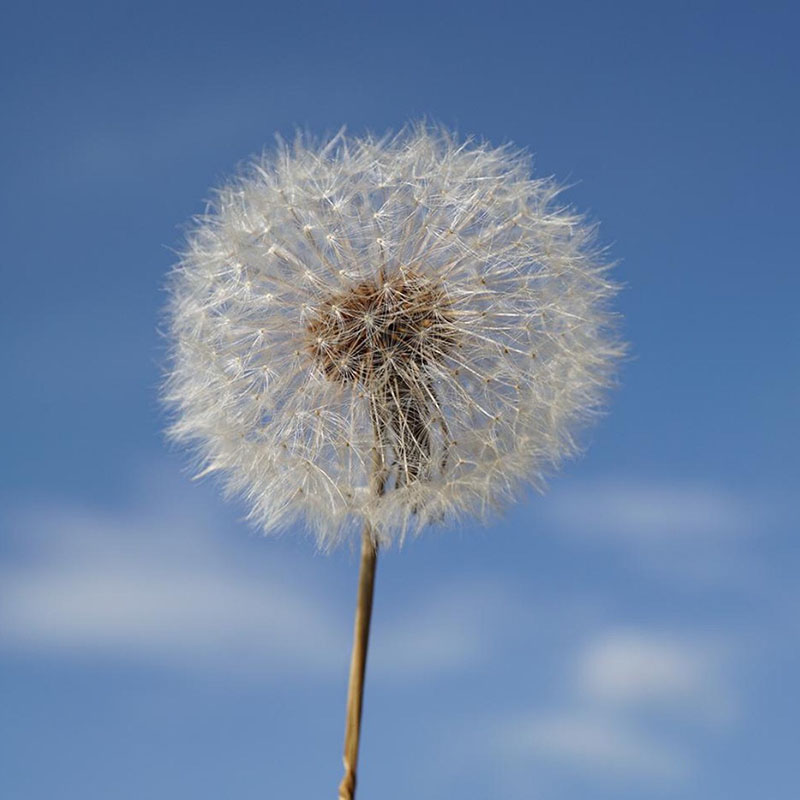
(631, 634)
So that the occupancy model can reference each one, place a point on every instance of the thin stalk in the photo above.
(358, 663)
(366, 588)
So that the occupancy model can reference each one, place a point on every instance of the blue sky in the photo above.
(631, 634)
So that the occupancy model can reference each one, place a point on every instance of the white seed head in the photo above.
(399, 330)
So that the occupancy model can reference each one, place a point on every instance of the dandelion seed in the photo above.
(386, 333)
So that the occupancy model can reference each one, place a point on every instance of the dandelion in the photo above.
(382, 333)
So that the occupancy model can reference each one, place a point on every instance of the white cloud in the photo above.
(594, 742)
(161, 583)
(609, 716)
(640, 669)
(154, 585)
(648, 512)
(633, 667)
(702, 535)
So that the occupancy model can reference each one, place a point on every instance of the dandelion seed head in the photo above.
(402, 329)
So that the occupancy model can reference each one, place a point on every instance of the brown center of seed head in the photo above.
(382, 329)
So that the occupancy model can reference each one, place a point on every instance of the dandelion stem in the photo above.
(358, 663)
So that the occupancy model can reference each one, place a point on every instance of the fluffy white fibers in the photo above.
(399, 330)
